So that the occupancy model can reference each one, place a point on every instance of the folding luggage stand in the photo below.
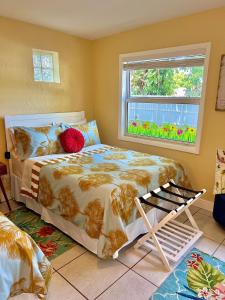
(170, 238)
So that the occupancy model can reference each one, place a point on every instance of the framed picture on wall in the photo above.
(220, 101)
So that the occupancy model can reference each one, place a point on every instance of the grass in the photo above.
(167, 131)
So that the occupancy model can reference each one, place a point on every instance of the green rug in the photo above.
(198, 276)
(51, 240)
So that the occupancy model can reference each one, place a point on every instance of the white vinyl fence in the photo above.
(177, 114)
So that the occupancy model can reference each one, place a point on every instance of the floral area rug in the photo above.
(51, 240)
(198, 276)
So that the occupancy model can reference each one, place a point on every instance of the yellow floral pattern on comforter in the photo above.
(23, 266)
(97, 192)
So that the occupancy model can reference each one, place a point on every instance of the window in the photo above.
(162, 96)
(46, 66)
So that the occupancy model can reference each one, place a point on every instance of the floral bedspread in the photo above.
(96, 191)
(23, 266)
(219, 187)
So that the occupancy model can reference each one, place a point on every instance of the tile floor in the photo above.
(135, 275)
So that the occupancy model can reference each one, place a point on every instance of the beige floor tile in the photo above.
(182, 218)
(207, 245)
(220, 253)
(67, 256)
(3, 207)
(130, 256)
(205, 212)
(92, 275)
(129, 287)
(60, 289)
(13, 204)
(152, 268)
(210, 228)
(194, 209)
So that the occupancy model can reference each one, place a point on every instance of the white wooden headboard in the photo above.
(41, 120)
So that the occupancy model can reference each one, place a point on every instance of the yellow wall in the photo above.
(83, 87)
(204, 27)
(19, 94)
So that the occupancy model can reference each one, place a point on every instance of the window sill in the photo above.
(161, 143)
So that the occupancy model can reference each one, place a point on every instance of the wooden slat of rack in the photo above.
(183, 225)
(172, 234)
(165, 241)
(170, 254)
(189, 232)
(175, 231)
(179, 243)
(163, 247)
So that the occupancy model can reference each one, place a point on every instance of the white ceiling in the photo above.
(98, 18)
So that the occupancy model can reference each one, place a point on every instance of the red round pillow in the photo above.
(72, 140)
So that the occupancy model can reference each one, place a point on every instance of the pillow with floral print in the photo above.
(36, 141)
(89, 131)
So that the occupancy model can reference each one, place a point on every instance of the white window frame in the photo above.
(123, 81)
(55, 56)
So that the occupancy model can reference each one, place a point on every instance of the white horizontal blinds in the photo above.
(174, 62)
(166, 60)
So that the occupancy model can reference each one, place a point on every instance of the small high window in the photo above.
(162, 96)
(46, 66)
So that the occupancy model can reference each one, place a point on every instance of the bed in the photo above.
(90, 195)
(24, 268)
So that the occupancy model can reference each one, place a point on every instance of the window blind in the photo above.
(167, 62)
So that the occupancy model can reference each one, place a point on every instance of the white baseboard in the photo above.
(205, 204)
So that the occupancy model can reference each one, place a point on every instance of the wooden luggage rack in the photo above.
(170, 238)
